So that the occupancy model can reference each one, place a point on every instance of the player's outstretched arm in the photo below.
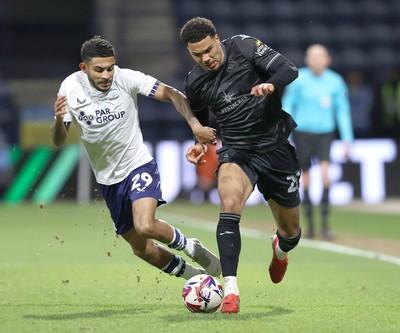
(204, 135)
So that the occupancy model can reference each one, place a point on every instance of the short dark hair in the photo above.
(196, 30)
(96, 47)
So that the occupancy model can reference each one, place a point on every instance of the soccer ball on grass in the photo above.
(202, 293)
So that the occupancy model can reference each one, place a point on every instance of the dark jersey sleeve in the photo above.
(198, 107)
(277, 69)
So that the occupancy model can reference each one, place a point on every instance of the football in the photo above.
(202, 293)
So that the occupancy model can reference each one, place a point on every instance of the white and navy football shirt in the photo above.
(108, 122)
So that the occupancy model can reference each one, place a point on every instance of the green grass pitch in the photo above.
(62, 269)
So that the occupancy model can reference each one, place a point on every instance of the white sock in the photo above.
(280, 254)
(231, 286)
(189, 248)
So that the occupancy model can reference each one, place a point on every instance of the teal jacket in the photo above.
(319, 104)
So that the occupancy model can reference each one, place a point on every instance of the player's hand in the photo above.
(195, 154)
(60, 107)
(205, 135)
(262, 89)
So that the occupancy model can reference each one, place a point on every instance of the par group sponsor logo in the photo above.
(101, 116)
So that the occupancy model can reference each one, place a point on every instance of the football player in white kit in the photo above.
(101, 101)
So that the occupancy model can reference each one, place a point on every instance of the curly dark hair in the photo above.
(96, 47)
(196, 30)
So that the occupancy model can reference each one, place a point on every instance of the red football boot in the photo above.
(277, 268)
(231, 304)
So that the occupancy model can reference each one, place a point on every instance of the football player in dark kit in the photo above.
(241, 80)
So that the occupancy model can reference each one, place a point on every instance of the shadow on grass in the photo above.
(90, 314)
(249, 313)
(181, 315)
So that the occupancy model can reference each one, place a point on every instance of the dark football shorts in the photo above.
(310, 146)
(141, 183)
(276, 173)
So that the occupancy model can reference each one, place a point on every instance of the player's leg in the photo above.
(279, 173)
(307, 204)
(148, 226)
(158, 256)
(325, 205)
(133, 214)
(323, 154)
(285, 239)
(234, 188)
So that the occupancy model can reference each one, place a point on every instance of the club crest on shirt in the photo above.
(231, 65)
(261, 47)
(87, 119)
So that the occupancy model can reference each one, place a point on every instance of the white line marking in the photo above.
(320, 245)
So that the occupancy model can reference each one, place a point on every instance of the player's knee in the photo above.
(145, 229)
(229, 204)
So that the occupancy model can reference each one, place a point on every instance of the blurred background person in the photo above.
(318, 102)
(389, 103)
(361, 97)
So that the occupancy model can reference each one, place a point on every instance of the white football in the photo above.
(202, 293)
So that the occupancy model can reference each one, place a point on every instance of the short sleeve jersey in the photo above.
(108, 122)
(320, 104)
(246, 122)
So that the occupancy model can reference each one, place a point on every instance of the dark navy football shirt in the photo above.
(246, 122)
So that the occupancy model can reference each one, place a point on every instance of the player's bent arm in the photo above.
(59, 132)
(167, 93)
(59, 129)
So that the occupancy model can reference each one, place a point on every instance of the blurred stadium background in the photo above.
(40, 43)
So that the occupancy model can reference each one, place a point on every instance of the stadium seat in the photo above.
(312, 10)
(283, 10)
(350, 57)
(382, 57)
(379, 33)
(253, 11)
(261, 31)
(358, 33)
(226, 29)
(317, 32)
(375, 9)
(191, 8)
(291, 33)
(344, 10)
(346, 34)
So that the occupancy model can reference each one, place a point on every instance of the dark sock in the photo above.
(325, 209)
(288, 243)
(229, 242)
(176, 266)
(179, 241)
(308, 209)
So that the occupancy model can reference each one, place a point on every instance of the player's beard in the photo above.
(97, 85)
